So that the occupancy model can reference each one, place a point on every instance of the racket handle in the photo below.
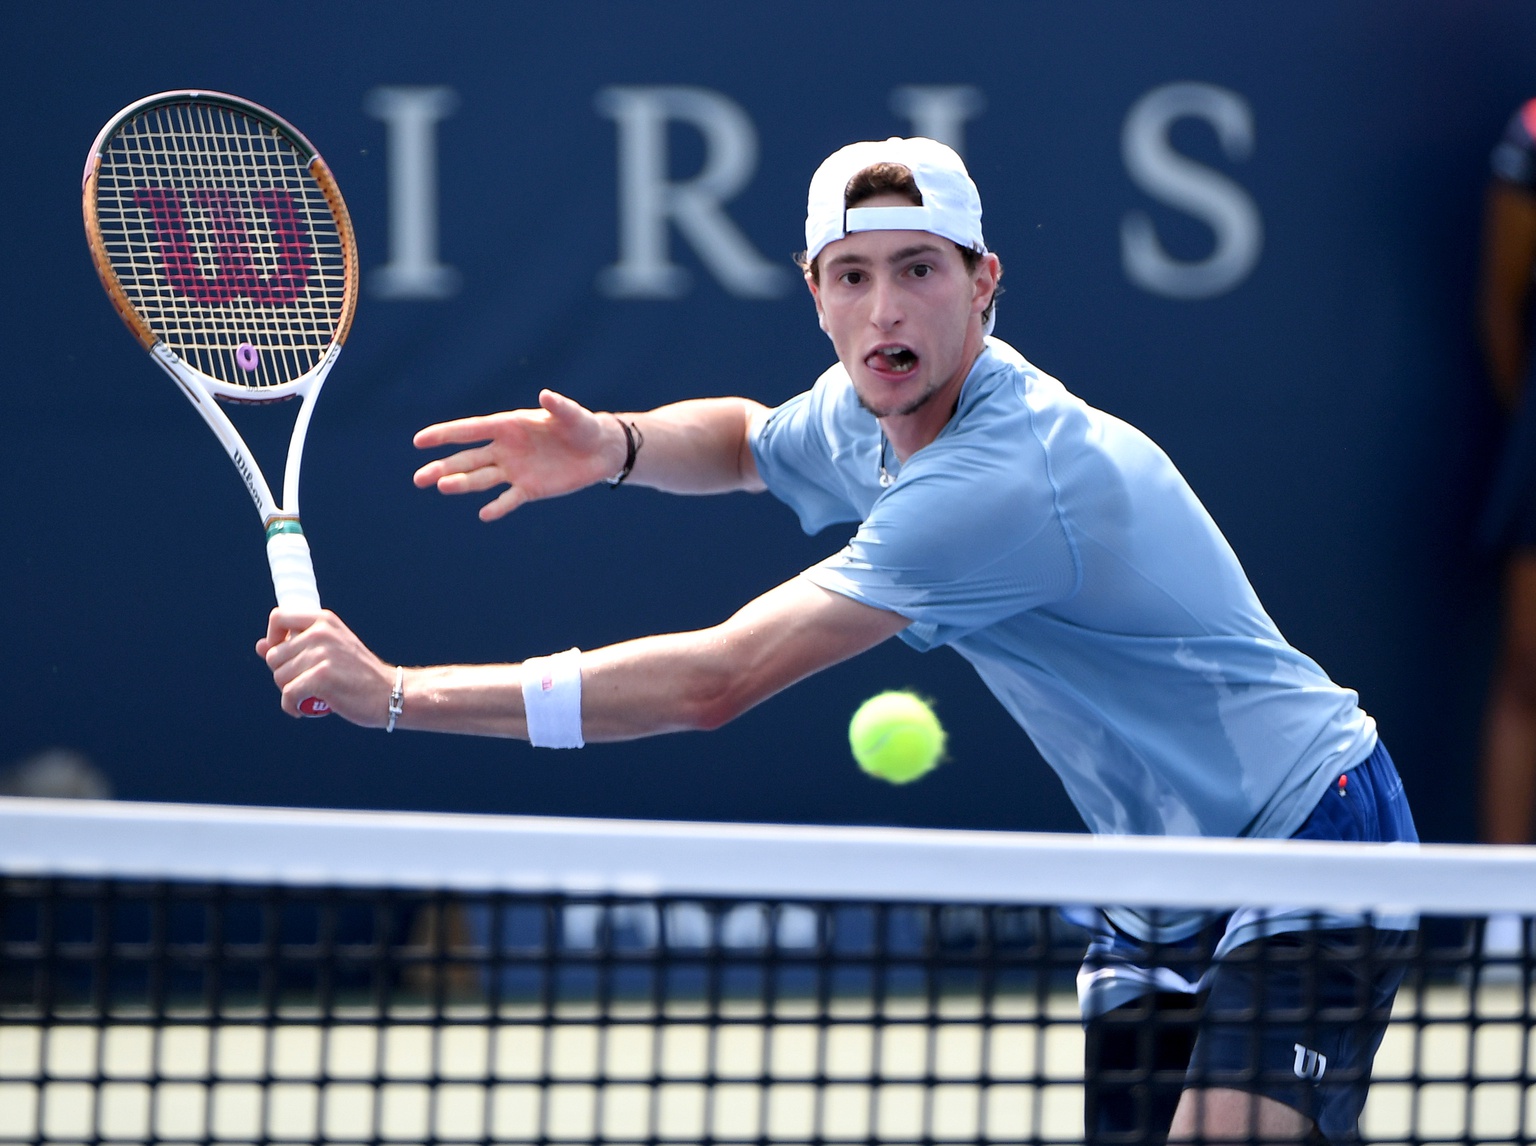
(293, 578)
(293, 573)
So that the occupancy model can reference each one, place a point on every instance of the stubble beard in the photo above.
(911, 407)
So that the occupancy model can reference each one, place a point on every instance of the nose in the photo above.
(886, 310)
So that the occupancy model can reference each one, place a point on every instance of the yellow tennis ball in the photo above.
(896, 737)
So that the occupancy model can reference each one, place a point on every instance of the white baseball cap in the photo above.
(951, 204)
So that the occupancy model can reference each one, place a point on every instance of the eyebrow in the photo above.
(904, 253)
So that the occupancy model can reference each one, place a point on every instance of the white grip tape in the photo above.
(293, 573)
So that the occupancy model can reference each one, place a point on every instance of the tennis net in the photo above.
(193, 974)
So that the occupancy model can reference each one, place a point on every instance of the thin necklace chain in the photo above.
(887, 478)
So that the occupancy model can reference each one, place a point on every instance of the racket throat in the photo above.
(283, 523)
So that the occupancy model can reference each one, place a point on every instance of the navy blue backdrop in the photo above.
(1323, 398)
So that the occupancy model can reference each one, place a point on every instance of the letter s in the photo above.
(1180, 182)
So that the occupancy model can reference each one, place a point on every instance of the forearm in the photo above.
(695, 447)
(670, 683)
(646, 687)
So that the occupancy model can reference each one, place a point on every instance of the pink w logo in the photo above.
(226, 220)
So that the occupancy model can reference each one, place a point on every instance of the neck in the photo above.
(909, 433)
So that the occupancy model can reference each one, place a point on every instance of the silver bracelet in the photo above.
(396, 698)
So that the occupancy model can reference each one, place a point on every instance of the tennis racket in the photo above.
(223, 242)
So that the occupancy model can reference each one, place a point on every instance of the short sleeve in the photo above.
(1514, 159)
(966, 538)
(796, 459)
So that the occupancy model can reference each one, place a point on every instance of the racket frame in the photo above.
(287, 550)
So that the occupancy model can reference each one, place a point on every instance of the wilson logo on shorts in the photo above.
(1309, 1064)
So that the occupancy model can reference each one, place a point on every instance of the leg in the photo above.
(1217, 1114)
(1135, 1060)
(1508, 797)
(1289, 1031)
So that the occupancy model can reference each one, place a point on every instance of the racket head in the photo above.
(219, 232)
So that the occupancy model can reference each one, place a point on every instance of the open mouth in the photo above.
(896, 359)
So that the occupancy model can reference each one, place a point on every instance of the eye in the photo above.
(853, 278)
(921, 270)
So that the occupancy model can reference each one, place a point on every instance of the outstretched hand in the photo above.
(557, 449)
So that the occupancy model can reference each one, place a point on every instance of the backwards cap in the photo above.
(951, 204)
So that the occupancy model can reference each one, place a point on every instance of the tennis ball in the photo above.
(896, 737)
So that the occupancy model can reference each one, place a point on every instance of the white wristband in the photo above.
(552, 699)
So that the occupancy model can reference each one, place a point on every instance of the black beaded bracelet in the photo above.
(633, 440)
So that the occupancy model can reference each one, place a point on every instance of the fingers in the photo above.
(301, 686)
(475, 481)
(561, 408)
(539, 453)
(457, 432)
(571, 420)
(465, 461)
(504, 503)
(282, 649)
(484, 427)
(282, 623)
(318, 656)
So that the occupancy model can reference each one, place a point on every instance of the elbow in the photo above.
(716, 695)
(709, 719)
(708, 713)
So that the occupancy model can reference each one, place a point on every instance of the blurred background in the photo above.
(1249, 229)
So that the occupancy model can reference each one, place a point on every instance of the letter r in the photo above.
(649, 201)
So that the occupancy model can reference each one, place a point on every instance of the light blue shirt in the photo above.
(1060, 552)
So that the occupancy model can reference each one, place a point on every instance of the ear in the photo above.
(821, 317)
(989, 272)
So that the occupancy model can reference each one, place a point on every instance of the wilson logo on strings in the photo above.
(224, 216)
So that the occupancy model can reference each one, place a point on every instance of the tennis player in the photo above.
(1054, 547)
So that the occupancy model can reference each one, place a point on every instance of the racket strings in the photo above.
(224, 242)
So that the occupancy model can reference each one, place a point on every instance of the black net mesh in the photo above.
(179, 1011)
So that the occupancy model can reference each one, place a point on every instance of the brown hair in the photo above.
(890, 179)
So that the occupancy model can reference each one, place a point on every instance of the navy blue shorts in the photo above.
(1294, 1010)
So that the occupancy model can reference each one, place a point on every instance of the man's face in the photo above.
(903, 313)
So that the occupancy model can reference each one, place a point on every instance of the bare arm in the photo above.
(669, 683)
(1509, 254)
(699, 446)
